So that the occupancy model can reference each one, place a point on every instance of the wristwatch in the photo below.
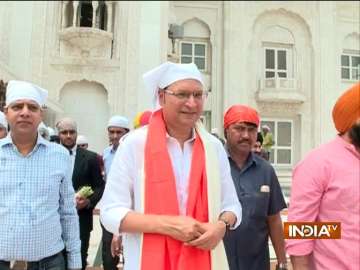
(281, 266)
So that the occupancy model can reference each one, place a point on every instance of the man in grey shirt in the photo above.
(258, 191)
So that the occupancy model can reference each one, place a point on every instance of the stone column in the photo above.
(64, 19)
(109, 8)
(325, 91)
(75, 5)
(95, 5)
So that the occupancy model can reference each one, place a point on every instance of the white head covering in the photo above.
(66, 124)
(24, 90)
(42, 127)
(51, 131)
(3, 121)
(81, 139)
(168, 73)
(119, 121)
(266, 127)
(43, 130)
(214, 131)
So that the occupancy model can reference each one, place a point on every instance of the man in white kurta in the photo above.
(122, 202)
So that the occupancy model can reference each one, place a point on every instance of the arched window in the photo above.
(350, 58)
(86, 14)
(195, 46)
(278, 45)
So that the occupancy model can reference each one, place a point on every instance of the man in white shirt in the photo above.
(117, 127)
(169, 190)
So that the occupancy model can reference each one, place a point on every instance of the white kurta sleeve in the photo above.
(229, 198)
(117, 199)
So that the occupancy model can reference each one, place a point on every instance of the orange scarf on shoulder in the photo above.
(160, 252)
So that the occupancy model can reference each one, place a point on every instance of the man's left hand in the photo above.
(214, 233)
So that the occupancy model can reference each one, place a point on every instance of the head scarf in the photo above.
(241, 113)
(168, 73)
(347, 109)
(17, 90)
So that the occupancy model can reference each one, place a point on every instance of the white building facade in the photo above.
(289, 60)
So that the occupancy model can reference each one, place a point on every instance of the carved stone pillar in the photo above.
(75, 5)
(109, 7)
(64, 18)
(95, 5)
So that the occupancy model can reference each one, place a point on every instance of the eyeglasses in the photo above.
(183, 96)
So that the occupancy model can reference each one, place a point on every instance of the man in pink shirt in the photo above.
(326, 188)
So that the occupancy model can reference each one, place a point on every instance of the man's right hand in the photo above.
(116, 245)
(300, 262)
(183, 228)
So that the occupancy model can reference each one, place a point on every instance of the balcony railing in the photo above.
(278, 83)
(279, 90)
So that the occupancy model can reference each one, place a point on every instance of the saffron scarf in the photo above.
(160, 252)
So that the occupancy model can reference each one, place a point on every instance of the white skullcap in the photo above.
(42, 127)
(119, 121)
(214, 130)
(51, 131)
(43, 130)
(168, 73)
(66, 124)
(24, 90)
(81, 139)
(266, 127)
(3, 121)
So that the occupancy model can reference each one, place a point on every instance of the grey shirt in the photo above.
(247, 246)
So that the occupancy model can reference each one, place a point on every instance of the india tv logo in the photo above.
(312, 230)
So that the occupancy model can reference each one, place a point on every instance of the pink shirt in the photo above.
(325, 187)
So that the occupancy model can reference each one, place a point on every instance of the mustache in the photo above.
(354, 135)
(243, 141)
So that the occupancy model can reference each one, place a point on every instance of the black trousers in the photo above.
(84, 238)
(109, 262)
(4, 265)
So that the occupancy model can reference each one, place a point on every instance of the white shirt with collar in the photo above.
(72, 157)
(123, 189)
